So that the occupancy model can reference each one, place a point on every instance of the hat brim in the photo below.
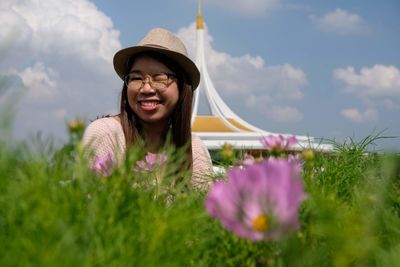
(187, 65)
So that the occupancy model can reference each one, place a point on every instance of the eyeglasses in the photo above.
(158, 81)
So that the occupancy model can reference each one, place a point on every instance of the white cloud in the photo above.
(39, 81)
(62, 52)
(248, 7)
(375, 86)
(378, 81)
(239, 76)
(251, 101)
(355, 115)
(340, 21)
(63, 28)
(60, 113)
(279, 113)
(250, 78)
(283, 113)
(389, 104)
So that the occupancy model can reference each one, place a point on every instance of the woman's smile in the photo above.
(149, 105)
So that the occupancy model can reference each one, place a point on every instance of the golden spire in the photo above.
(199, 17)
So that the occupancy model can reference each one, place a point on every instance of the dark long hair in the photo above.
(181, 136)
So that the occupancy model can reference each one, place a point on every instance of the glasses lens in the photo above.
(159, 81)
(134, 81)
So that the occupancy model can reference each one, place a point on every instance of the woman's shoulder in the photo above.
(105, 124)
(202, 164)
(199, 151)
(196, 139)
(102, 137)
(197, 144)
(107, 127)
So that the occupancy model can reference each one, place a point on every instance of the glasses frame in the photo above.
(171, 78)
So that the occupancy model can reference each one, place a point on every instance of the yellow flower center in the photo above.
(276, 151)
(260, 223)
(227, 154)
(308, 154)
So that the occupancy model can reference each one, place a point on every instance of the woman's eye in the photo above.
(160, 77)
(135, 78)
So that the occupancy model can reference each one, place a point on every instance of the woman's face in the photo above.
(152, 105)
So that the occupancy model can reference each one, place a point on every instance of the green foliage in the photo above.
(55, 212)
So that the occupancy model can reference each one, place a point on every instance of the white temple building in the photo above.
(223, 125)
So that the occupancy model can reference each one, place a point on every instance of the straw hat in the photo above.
(164, 42)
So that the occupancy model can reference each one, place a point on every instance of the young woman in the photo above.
(156, 100)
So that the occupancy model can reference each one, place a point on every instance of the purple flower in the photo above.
(278, 143)
(151, 162)
(260, 201)
(102, 165)
(248, 159)
(296, 159)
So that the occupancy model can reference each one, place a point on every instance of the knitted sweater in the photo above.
(105, 135)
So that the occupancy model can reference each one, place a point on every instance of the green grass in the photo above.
(55, 212)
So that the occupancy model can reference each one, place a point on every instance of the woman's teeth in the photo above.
(148, 103)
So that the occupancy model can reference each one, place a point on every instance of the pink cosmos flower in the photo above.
(296, 159)
(248, 159)
(151, 162)
(260, 201)
(102, 165)
(278, 142)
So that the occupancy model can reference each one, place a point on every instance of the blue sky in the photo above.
(324, 68)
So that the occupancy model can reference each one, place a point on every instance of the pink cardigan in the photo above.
(105, 135)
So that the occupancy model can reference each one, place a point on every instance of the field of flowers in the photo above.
(281, 209)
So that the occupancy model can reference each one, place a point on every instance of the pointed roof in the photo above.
(223, 125)
(199, 24)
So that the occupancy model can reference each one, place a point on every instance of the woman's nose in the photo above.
(146, 88)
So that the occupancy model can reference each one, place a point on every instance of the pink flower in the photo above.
(296, 159)
(278, 143)
(260, 201)
(151, 162)
(102, 165)
(248, 159)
